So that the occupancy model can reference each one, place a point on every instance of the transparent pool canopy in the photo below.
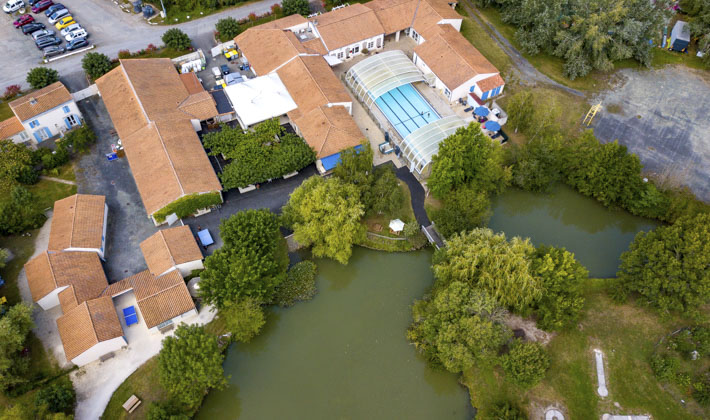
(420, 145)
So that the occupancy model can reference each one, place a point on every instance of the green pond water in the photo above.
(344, 355)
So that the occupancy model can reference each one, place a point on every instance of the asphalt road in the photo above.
(110, 29)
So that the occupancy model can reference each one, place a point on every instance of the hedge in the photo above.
(188, 205)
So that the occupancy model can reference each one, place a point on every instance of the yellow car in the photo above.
(64, 22)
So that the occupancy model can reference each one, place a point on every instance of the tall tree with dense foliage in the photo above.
(296, 7)
(176, 39)
(325, 215)
(227, 28)
(14, 159)
(58, 397)
(252, 262)
(355, 166)
(385, 196)
(458, 327)
(699, 13)
(561, 276)
(539, 163)
(190, 364)
(40, 77)
(669, 267)
(468, 157)
(96, 64)
(526, 363)
(244, 319)
(463, 209)
(483, 259)
(20, 213)
(15, 326)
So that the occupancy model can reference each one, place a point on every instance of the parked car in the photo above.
(33, 2)
(79, 33)
(52, 51)
(39, 34)
(23, 20)
(56, 16)
(41, 5)
(77, 43)
(32, 27)
(12, 6)
(70, 28)
(47, 41)
(53, 8)
(225, 69)
(64, 22)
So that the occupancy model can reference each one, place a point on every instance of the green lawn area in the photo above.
(627, 334)
(5, 111)
(480, 39)
(47, 192)
(174, 17)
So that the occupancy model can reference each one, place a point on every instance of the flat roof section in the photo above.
(260, 99)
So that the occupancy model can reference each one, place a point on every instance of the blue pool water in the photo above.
(406, 110)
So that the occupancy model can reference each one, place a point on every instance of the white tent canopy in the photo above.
(377, 75)
(420, 145)
(259, 99)
(396, 225)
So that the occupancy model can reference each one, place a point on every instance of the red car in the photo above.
(41, 5)
(23, 20)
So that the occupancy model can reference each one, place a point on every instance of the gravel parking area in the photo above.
(662, 116)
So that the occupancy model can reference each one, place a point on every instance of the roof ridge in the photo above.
(91, 320)
(170, 252)
(51, 270)
(73, 220)
(314, 79)
(159, 292)
(167, 154)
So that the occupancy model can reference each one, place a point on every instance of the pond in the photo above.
(344, 354)
(595, 234)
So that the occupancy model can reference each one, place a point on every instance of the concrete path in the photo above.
(63, 181)
(601, 378)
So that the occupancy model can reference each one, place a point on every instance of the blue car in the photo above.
(53, 8)
(77, 43)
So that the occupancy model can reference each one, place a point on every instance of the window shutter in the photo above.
(66, 109)
(66, 121)
(37, 136)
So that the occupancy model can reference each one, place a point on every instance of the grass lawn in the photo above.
(164, 52)
(174, 17)
(480, 39)
(5, 111)
(47, 192)
(65, 172)
(627, 334)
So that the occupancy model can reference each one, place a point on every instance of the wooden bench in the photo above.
(131, 404)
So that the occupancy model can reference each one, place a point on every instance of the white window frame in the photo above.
(73, 120)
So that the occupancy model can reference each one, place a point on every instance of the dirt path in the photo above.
(63, 181)
(527, 71)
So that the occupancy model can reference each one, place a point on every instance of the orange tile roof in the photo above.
(351, 24)
(169, 247)
(77, 222)
(311, 83)
(88, 324)
(490, 83)
(191, 82)
(284, 22)
(121, 102)
(10, 127)
(315, 45)
(200, 106)
(43, 100)
(395, 15)
(49, 271)
(267, 49)
(452, 58)
(328, 130)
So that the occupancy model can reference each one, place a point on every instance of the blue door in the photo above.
(485, 95)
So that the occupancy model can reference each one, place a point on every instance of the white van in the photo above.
(79, 33)
(13, 5)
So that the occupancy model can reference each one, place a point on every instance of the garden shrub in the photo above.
(300, 284)
(188, 205)
(96, 64)
(227, 28)
(79, 139)
(59, 397)
(176, 39)
(506, 411)
(244, 319)
(40, 77)
(664, 366)
(11, 91)
(526, 364)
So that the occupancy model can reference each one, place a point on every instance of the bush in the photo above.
(124, 54)
(165, 411)
(701, 390)
(176, 39)
(293, 7)
(188, 205)
(40, 77)
(79, 139)
(300, 284)
(506, 411)
(244, 319)
(463, 209)
(11, 91)
(664, 367)
(20, 213)
(59, 397)
(411, 229)
(96, 64)
(28, 176)
(228, 28)
(526, 364)
(384, 196)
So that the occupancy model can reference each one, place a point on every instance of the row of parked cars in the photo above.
(45, 39)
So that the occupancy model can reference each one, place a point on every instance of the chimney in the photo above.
(33, 101)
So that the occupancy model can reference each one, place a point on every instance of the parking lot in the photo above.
(662, 116)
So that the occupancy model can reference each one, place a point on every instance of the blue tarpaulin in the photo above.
(130, 315)
(492, 126)
(481, 111)
(205, 237)
(330, 162)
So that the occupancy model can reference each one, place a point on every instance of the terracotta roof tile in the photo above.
(168, 248)
(284, 22)
(77, 222)
(10, 127)
(88, 324)
(490, 83)
(161, 298)
(49, 271)
(328, 130)
(121, 102)
(200, 106)
(315, 45)
(351, 24)
(191, 82)
(267, 49)
(395, 15)
(43, 100)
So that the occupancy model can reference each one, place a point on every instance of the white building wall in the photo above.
(51, 299)
(456, 23)
(22, 137)
(176, 320)
(347, 52)
(187, 268)
(52, 120)
(99, 350)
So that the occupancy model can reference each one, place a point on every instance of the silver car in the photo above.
(41, 34)
(52, 51)
(58, 15)
(71, 28)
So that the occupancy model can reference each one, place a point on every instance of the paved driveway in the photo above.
(662, 116)
(110, 29)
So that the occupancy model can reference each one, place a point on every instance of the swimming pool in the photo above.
(406, 110)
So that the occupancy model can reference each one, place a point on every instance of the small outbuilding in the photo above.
(170, 249)
(680, 36)
(396, 225)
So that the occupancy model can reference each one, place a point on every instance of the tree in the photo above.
(539, 163)
(526, 363)
(488, 261)
(294, 7)
(355, 166)
(164, 411)
(458, 327)
(244, 319)
(561, 277)
(4, 253)
(20, 212)
(59, 397)
(228, 28)
(14, 159)
(506, 411)
(699, 13)
(96, 64)
(669, 267)
(384, 196)
(252, 262)
(463, 209)
(325, 214)
(40, 77)
(15, 325)
(190, 363)
(468, 157)
(176, 39)
(79, 139)
(300, 284)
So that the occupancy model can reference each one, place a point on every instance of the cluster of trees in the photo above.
(296, 7)
(176, 39)
(266, 152)
(15, 327)
(587, 34)
(468, 168)
(699, 13)
(40, 77)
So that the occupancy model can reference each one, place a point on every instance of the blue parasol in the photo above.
(481, 111)
(491, 126)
